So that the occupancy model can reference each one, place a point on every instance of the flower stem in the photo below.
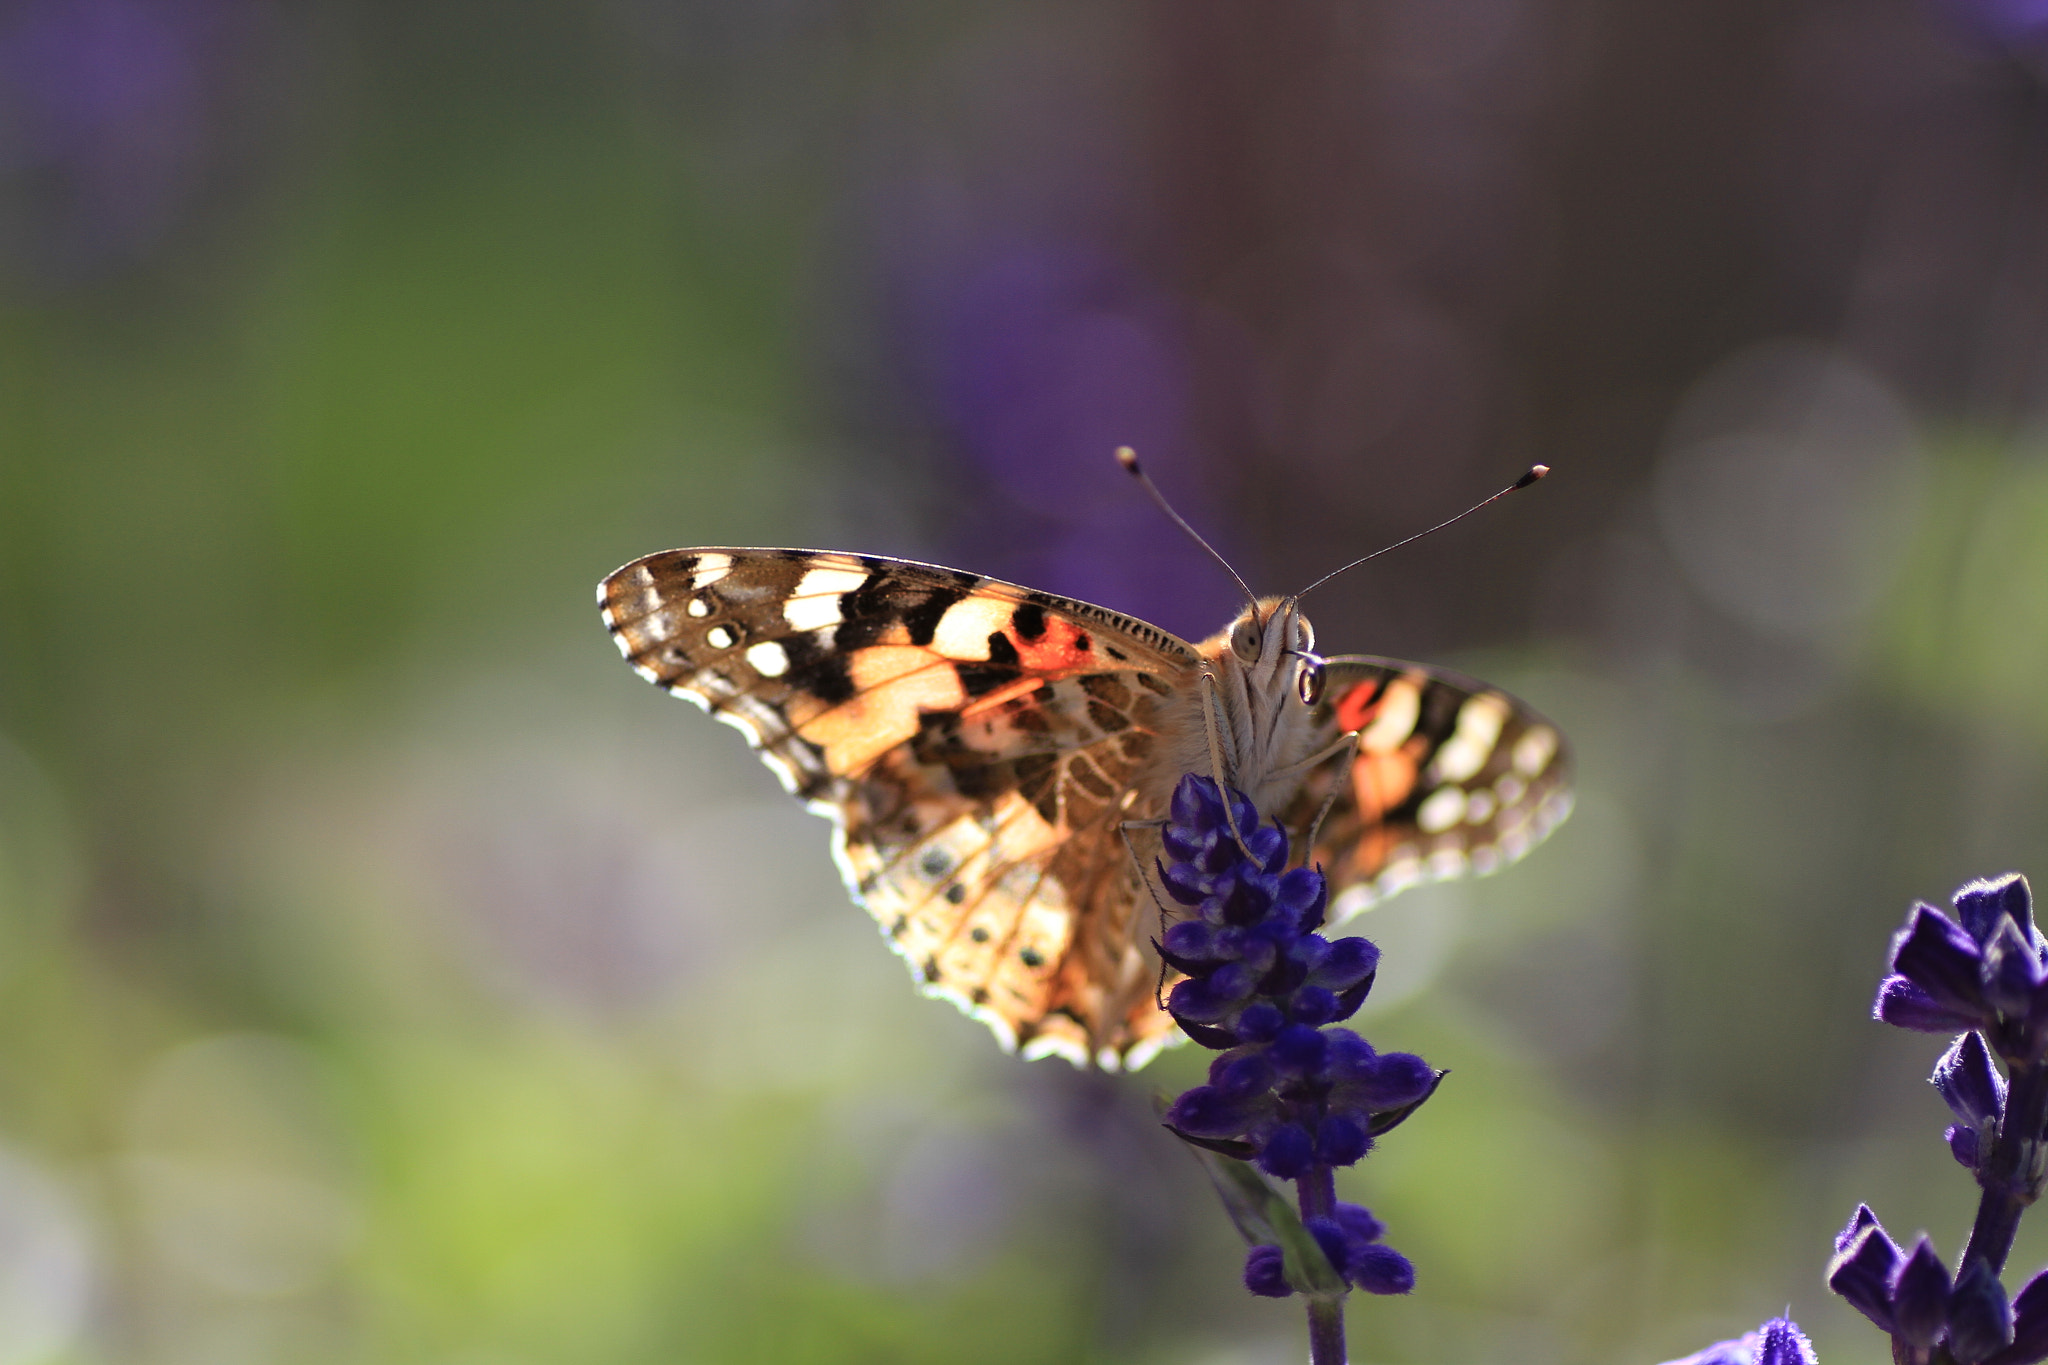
(1316, 1195)
(2012, 1170)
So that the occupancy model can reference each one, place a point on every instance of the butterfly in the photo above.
(997, 762)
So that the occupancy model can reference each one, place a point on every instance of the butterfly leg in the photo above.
(1349, 744)
(1213, 722)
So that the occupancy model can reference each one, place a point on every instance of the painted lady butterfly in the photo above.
(984, 751)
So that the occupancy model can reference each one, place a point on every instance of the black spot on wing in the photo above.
(1003, 666)
(922, 620)
(1028, 621)
(817, 669)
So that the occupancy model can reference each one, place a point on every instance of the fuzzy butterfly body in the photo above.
(995, 761)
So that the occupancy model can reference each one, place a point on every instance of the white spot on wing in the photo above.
(964, 630)
(709, 568)
(1443, 808)
(1398, 712)
(721, 637)
(769, 659)
(700, 605)
(1471, 742)
(1534, 750)
(815, 603)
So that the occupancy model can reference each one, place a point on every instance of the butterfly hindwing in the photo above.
(1451, 777)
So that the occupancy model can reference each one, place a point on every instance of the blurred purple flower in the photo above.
(1777, 1342)
(104, 123)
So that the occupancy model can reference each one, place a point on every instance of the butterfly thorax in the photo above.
(1257, 700)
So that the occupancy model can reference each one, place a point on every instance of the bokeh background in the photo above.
(388, 975)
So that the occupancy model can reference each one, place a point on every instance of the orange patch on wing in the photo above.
(896, 686)
(1357, 707)
(1061, 647)
(1383, 781)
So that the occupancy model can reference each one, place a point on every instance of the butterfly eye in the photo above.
(1244, 640)
(1309, 682)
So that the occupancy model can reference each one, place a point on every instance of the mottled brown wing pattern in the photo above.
(1451, 777)
(975, 742)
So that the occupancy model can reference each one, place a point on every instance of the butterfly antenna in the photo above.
(1536, 471)
(1128, 458)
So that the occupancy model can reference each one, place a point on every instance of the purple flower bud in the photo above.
(1780, 1342)
(1299, 1049)
(2012, 970)
(1903, 1004)
(1197, 999)
(1964, 1145)
(2029, 1325)
(1340, 1141)
(1265, 1273)
(1358, 1221)
(1190, 941)
(1312, 1005)
(1919, 1295)
(1982, 904)
(1349, 961)
(1939, 956)
(1302, 895)
(1970, 1084)
(1237, 1076)
(1979, 1318)
(1287, 1152)
(1183, 882)
(1260, 1022)
(1864, 1262)
(1397, 1079)
(1380, 1270)
(1207, 1111)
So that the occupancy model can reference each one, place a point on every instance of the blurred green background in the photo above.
(388, 975)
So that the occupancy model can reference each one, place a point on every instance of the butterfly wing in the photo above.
(976, 743)
(1451, 776)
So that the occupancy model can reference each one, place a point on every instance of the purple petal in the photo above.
(1964, 1145)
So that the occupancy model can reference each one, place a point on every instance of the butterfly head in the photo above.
(1272, 640)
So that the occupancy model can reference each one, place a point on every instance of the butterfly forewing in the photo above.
(978, 745)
